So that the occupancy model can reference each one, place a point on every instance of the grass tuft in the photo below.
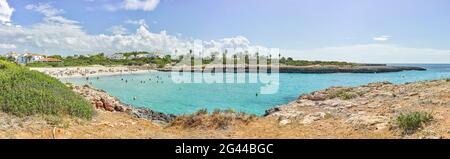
(344, 94)
(412, 121)
(218, 119)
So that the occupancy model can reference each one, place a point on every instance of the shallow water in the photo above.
(166, 96)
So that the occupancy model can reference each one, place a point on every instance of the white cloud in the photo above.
(68, 39)
(372, 53)
(58, 35)
(234, 42)
(45, 9)
(7, 46)
(111, 7)
(118, 30)
(59, 19)
(5, 12)
(52, 15)
(146, 5)
(382, 38)
(140, 22)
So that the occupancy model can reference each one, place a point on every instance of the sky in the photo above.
(369, 31)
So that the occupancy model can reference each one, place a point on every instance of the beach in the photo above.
(91, 71)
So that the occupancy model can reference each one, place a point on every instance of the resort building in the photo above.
(13, 55)
(116, 56)
(49, 60)
(150, 55)
(28, 58)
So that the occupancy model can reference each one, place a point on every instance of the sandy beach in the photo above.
(91, 71)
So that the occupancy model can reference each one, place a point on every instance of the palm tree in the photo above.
(28, 58)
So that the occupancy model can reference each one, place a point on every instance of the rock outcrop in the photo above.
(105, 102)
(369, 108)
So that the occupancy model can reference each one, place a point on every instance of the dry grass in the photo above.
(219, 119)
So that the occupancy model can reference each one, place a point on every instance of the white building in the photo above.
(145, 55)
(28, 58)
(12, 55)
(116, 57)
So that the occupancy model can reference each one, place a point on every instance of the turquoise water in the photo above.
(168, 97)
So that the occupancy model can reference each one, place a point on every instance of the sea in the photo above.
(160, 92)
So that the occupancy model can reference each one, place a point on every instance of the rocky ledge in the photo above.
(104, 102)
(372, 107)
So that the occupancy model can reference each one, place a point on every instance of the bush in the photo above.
(218, 119)
(25, 92)
(410, 122)
(292, 62)
(344, 94)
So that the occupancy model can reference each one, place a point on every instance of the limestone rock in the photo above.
(284, 122)
(288, 114)
(316, 96)
(271, 111)
(308, 119)
(371, 122)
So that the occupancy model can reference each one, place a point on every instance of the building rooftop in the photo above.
(50, 60)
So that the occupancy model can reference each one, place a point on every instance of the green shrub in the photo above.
(202, 112)
(410, 122)
(344, 94)
(292, 62)
(218, 119)
(25, 92)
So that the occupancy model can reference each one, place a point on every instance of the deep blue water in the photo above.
(169, 97)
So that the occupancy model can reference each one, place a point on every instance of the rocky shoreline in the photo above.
(370, 108)
(373, 107)
(311, 69)
(105, 102)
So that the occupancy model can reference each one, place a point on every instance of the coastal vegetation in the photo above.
(218, 119)
(343, 93)
(25, 92)
(411, 121)
(291, 62)
(141, 58)
(102, 59)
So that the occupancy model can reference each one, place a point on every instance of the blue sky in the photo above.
(407, 30)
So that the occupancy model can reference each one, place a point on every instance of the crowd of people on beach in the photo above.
(88, 71)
